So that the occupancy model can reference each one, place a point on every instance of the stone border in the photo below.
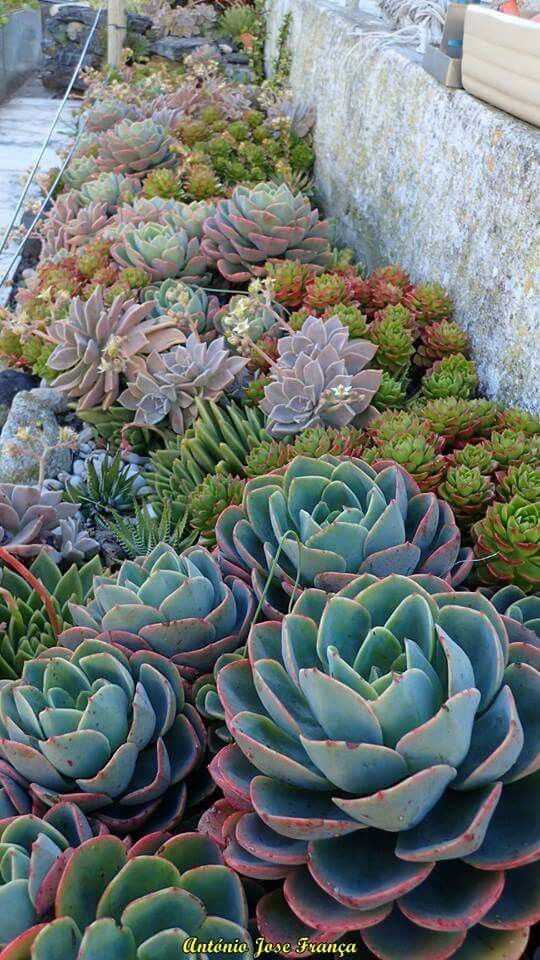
(429, 178)
(20, 48)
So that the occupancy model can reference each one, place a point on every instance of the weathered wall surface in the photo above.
(434, 180)
(20, 48)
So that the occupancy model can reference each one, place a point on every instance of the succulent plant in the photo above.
(321, 522)
(317, 442)
(475, 455)
(115, 426)
(351, 317)
(416, 453)
(319, 379)
(219, 442)
(396, 423)
(190, 307)
(34, 854)
(106, 114)
(28, 517)
(26, 625)
(206, 699)
(459, 420)
(170, 382)
(97, 343)
(176, 605)
(429, 302)
(267, 456)
(162, 251)
(440, 340)
(455, 376)
(392, 393)
(110, 188)
(208, 501)
(266, 222)
(110, 903)
(140, 532)
(510, 447)
(385, 287)
(507, 544)
(395, 347)
(383, 771)
(521, 420)
(522, 479)
(201, 182)
(290, 278)
(468, 492)
(163, 182)
(326, 291)
(246, 320)
(72, 543)
(108, 485)
(79, 171)
(134, 146)
(521, 614)
(103, 729)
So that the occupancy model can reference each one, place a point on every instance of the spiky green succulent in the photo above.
(139, 533)
(109, 485)
(107, 729)
(392, 393)
(507, 544)
(429, 302)
(263, 223)
(175, 605)
(26, 629)
(384, 771)
(454, 376)
(137, 905)
(395, 345)
(475, 455)
(513, 447)
(417, 454)
(522, 479)
(218, 442)
(208, 501)
(468, 492)
(320, 522)
(267, 456)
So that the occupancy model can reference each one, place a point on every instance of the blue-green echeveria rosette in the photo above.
(386, 766)
(118, 904)
(110, 732)
(177, 605)
(321, 522)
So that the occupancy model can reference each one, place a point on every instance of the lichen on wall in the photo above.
(430, 178)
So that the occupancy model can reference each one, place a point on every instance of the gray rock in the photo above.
(49, 397)
(29, 434)
(11, 381)
(176, 48)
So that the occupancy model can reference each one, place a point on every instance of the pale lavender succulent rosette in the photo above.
(385, 771)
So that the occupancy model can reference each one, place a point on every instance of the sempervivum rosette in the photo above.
(175, 604)
(108, 732)
(386, 762)
(321, 522)
(34, 853)
(142, 904)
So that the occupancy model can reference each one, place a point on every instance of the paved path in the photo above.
(24, 123)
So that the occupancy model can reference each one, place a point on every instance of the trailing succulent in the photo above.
(178, 606)
(109, 902)
(384, 771)
(321, 522)
(108, 730)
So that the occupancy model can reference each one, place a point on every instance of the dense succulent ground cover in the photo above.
(269, 654)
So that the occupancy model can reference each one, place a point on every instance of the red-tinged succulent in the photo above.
(510, 447)
(112, 903)
(474, 455)
(394, 342)
(454, 376)
(327, 291)
(395, 423)
(107, 730)
(384, 771)
(458, 420)
(520, 420)
(265, 223)
(468, 492)
(417, 454)
(134, 146)
(507, 544)
(323, 521)
(520, 478)
(441, 340)
(289, 281)
(429, 302)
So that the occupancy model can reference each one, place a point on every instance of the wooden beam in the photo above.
(116, 31)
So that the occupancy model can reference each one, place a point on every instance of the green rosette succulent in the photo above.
(134, 146)
(144, 904)
(454, 376)
(268, 456)
(392, 393)
(468, 492)
(108, 731)
(176, 605)
(521, 479)
(457, 419)
(474, 455)
(26, 629)
(507, 544)
(513, 447)
(320, 522)
(395, 345)
(417, 455)
(385, 771)
(514, 418)
(208, 501)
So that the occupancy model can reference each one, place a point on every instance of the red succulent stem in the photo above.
(36, 585)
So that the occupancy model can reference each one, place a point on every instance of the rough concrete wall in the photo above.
(20, 48)
(431, 179)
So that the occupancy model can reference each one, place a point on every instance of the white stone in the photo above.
(429, 178)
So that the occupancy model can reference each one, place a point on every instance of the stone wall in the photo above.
(426, 177)
(20, 48)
